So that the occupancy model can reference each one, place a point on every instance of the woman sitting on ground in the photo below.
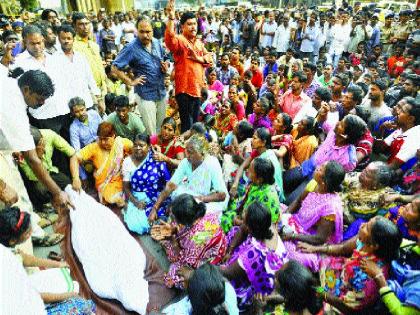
(282, 140)
(236, 147)
(347, 287)
(107, 155)
(200, 175)
(260, 188)
(297, 286)
(261, 146)
(144, 179)
(226, 119)
(251, 266)
(407, 218)
(15, 229)
(166, 146)
(362, 195)
(304, 142)
(400, 293)
(214, 84)
(208, 293)
(338, 146)
(259, 117)
(316, 217)
(193, 238)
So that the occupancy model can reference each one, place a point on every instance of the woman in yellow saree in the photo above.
(107, 155)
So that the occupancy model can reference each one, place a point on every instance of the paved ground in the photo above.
(43, 252)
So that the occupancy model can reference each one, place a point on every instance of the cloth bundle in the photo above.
(113, 262)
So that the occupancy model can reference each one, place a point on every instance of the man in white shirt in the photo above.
(375, 104)
(321, 39)
(129, 29)
(79, 75)
(282, 36)
(309, 36)
(55, 112)
(117, 29)
(361, 31)
(268, 31)
(212, 37)
(340, 35)
(33, 89)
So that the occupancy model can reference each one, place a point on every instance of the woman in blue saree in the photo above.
(143, 180)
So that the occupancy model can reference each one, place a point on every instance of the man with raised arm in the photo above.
(191, 59)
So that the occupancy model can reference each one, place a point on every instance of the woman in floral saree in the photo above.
(347, 287)
(107, 155)
(193, 239)
(251, 265)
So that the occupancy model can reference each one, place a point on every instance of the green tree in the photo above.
(29, 5)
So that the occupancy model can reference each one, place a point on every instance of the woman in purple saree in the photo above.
(319, 218)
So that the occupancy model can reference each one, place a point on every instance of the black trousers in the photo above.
(189, 109)
(60, 125)
(294, 184)
(38, 192)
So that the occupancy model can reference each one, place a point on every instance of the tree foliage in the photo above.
(29, 5)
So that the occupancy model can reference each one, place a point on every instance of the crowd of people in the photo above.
(273, 155)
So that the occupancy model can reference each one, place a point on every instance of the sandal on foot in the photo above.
(43, 223)
(48, 240)
(55, 256)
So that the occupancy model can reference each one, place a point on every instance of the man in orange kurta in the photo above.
(191, 59)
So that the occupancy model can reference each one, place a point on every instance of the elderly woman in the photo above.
(347, 287)
(338, 146)
(362, 195)
(193, 238)
(316, 217)
(144, 179)
(200, 175)
(166, 146)
(107, 155)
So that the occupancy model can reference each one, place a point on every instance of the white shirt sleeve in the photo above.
(127, 169)
(14, 122)
(410, 146)
(17, 296)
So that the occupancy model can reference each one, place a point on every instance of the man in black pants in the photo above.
(191, 58)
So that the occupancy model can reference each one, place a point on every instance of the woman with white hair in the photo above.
(199, 174)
